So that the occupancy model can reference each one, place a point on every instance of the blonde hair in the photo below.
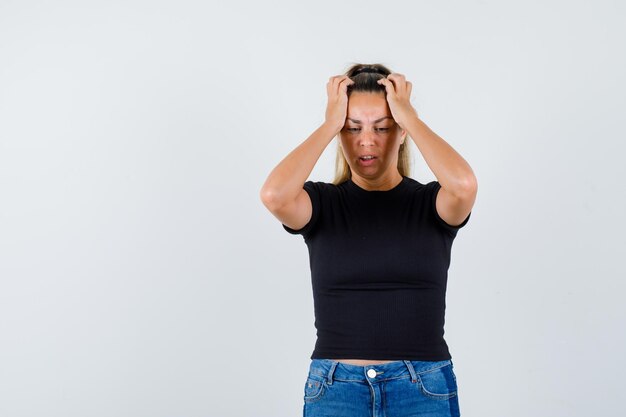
(365, 77)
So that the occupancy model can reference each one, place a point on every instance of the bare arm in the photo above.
(459, 186)
(283, 193)
(458, 182)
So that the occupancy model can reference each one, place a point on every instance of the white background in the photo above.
(140, 274)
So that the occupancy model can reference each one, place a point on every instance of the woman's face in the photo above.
(370, 130)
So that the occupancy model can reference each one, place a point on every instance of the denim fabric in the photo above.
(397, 389)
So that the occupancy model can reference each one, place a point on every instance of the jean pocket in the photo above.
(314, 388)
(439, 383)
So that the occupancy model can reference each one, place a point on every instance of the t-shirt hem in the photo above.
(377, 355)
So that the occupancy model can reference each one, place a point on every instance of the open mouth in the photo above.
(367, 160)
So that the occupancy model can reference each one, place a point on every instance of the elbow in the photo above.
(270, 198)
(468, 186)
(464, 187)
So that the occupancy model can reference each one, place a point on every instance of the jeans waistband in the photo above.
(331, 370)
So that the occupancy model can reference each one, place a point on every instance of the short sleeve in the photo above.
(433, 189)
(314, 191)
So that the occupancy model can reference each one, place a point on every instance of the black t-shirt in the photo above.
(379, 266)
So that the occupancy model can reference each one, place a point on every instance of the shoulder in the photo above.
(413, 185)
(430, 187)
(321, 187)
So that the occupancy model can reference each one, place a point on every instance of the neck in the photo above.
(378, 184)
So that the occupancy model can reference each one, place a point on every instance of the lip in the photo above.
(368, 162)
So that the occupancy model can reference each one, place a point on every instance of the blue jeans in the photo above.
(398, 389)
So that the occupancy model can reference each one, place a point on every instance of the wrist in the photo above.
(331, 128)
(408, 116)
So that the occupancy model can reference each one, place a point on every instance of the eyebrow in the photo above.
(375, 121)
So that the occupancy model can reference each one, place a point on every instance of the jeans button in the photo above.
(371, 373)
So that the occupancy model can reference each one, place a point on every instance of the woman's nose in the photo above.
(367, 137)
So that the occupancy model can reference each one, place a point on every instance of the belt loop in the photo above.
(411, 371)
(331, 371)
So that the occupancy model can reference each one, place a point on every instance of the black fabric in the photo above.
(379, 265)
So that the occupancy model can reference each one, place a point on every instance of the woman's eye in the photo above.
(357, 129)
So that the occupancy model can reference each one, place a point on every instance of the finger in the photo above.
(382, 82)
(343, 84)
(346, 82)
(337, 82)
(330, 85)
(396, 76)
(409, 85)
(399, 81)
(389, 87)
(334, 78)
(331, 80)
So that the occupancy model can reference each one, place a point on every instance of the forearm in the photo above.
(288, 177)
(452, 171)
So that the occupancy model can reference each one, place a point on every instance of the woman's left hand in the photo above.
(398, 97)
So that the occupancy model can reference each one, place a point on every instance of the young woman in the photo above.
(379, 245)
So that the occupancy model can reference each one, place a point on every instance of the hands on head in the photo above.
(398, 94)
(399, 97)
(337, 108)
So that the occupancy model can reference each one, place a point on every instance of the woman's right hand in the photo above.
(337, 108)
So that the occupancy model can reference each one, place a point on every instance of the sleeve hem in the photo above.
(304, 230)
(442, 222)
